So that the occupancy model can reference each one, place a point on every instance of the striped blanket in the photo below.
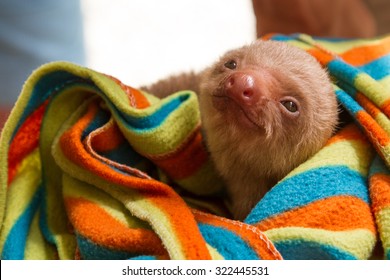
(91, 168)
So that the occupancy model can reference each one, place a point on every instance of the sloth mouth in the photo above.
(228, 106)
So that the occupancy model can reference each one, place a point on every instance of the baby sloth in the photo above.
(265, 108)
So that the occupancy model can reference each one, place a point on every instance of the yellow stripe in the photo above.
(383, 220)
(386, 154)
(199, 182)
(372, 89)
(171, 133)
(36, 246)
(75, 188)
(22, 189)
(382, 119)
(300, 44)
(111, 89)
(342, 46)
(161, 224)
(76, 100)
(150, 97)
(214, 253)
(5, 137)
(385, 82)
(132, 200)
(358, 242)
(384, 122)
(357, 155)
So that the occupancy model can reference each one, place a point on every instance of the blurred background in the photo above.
(137, 41)
(141, 41)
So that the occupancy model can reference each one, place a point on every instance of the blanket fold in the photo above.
(91, 168)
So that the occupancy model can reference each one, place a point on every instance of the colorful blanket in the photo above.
(93, 169)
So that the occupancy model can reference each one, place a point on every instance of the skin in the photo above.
(265, 108)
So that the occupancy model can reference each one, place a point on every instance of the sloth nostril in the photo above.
(247, 93)
(230, 82)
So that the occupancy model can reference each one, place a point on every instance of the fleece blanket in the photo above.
(91, 168)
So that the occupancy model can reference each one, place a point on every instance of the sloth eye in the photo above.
(290, 105)
(231, 64)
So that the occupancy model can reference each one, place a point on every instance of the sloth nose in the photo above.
(243, 88)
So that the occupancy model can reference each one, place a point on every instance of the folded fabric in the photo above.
(346, 189)
(79, 176)
(93, 169)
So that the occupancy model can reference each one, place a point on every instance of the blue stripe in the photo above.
(309, 250)
(281, 37)
(308, 187)
(348, 102)
(378, 167)
(100, 119)
(343, 71)
(47, 86)
(92, 251)
(43, 223)
(144, 258)
(124, 154)
(297, 37)
(345, 75)
(331, 39)
(155, 119)
(15, 243)
(378, 69)
(227, 243)
(348, 88)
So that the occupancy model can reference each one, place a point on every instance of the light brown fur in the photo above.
(252, 156)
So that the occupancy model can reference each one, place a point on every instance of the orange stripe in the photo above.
(375, 131)
(268, 36)
(107, 138)
(141, 100)
(136, 98)
(184, 225)
(365, 54)
(25, 140)
(73, 148)
(187, 160)
(335, 213)
(350, 132)
(94, 223)
(156, 192)
(380, 191)
(357, 56)
(367, 105)
(257, 240)
(323, 57)
(386, 108)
